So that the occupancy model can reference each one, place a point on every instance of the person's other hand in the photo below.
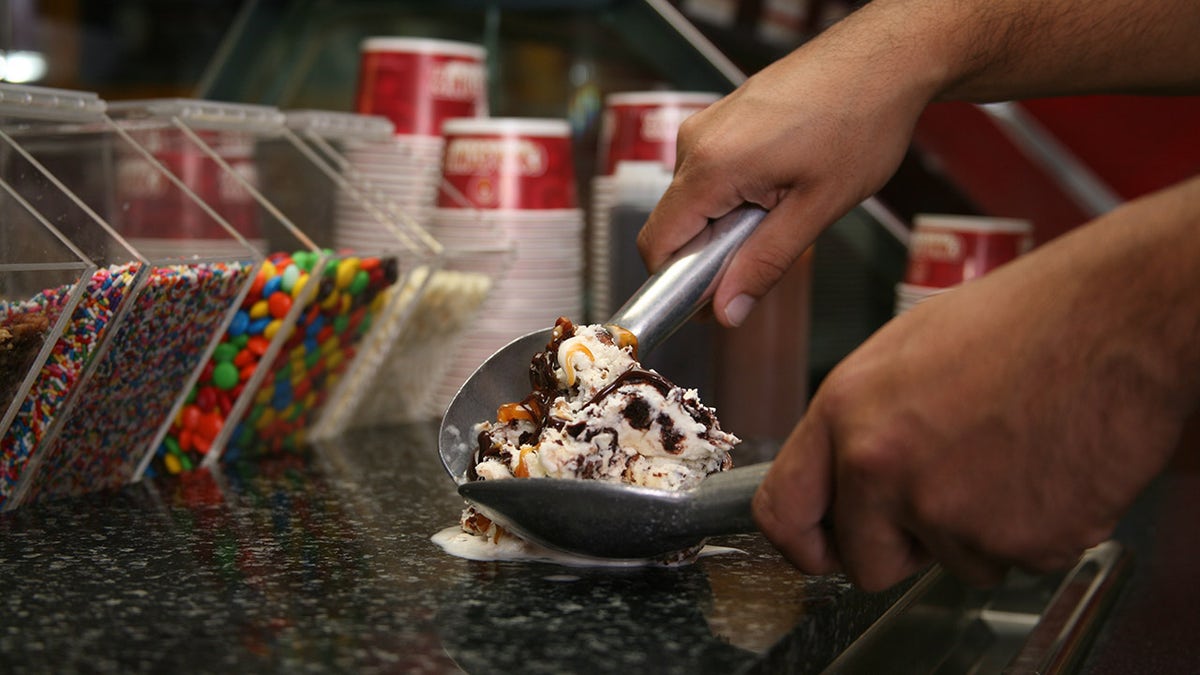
(1008, 422)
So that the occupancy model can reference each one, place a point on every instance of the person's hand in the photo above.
(807, 138)
(1008, 422)
(825, 127)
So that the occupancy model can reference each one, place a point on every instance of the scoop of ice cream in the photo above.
(595, 413)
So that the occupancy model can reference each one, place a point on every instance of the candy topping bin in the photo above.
(43, 278)
(310, 304)
(393, 378)
(142, 324)
(399, 380)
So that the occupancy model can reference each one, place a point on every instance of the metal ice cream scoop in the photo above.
(617, 520)
(664, 303)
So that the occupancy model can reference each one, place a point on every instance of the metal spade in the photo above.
(568, 514)
(615, 520)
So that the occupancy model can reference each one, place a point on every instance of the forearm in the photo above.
(987, 50)
(1141, 271)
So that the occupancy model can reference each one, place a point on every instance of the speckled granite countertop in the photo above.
(324, 564)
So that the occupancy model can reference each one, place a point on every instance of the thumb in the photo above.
(791, 504)
(681, 213)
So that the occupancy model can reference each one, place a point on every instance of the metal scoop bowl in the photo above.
(618, 521)
(571, 515)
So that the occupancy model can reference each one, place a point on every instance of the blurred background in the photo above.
(1055, 163)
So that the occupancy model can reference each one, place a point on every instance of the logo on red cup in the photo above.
(643, 125)
(508, 163)
(419, 83)
(947, 250)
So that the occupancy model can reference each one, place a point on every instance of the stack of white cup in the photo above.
(401, 172)
(512, 180)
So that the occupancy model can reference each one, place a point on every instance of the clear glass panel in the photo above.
(174, 299)
(298, 328)
(413, 341)
(42, 279)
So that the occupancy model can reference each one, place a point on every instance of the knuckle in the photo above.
(702, 157)
(766, 514)
(875, 461)
(930, 508)
(870, 454)
(691, 128)
(645, 241)
(764, 266)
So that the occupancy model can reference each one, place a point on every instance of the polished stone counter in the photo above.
(323, 563)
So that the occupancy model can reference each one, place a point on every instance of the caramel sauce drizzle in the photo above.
(536, 406)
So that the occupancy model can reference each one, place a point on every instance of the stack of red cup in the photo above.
(947, 250)
(417, 83)
(637, 126)
(513, 180)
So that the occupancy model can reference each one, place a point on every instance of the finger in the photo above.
(964, 561)
(876, 552)
(681, 213)
(770, 251)
(791, 503)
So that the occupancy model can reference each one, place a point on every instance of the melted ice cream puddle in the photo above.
(458, 543)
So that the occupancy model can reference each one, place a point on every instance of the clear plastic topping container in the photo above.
(143, 321)
(311, 303)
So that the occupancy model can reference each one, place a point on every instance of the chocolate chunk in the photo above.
(672, 439)
(637, 412)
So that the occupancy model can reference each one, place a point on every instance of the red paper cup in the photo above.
(418, 83)
(946, 250)
(508, 163)
(153, 208)
(643, 125)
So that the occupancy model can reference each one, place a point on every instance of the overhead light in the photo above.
(22, 66)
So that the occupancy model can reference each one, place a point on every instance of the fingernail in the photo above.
(738, 309)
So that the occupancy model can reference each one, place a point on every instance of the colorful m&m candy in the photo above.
(314, 343)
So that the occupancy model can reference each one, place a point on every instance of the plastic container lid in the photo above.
(200, 114)
(49, 103)
(146, 319)
(341, 125)
(100, 294)
(298, 327)
(40, 285)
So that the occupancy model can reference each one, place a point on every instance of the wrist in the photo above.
(1164, 230)
(918, 50)
(1129, 279)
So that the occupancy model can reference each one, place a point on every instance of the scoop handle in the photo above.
(686, 282)
(722, 502)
